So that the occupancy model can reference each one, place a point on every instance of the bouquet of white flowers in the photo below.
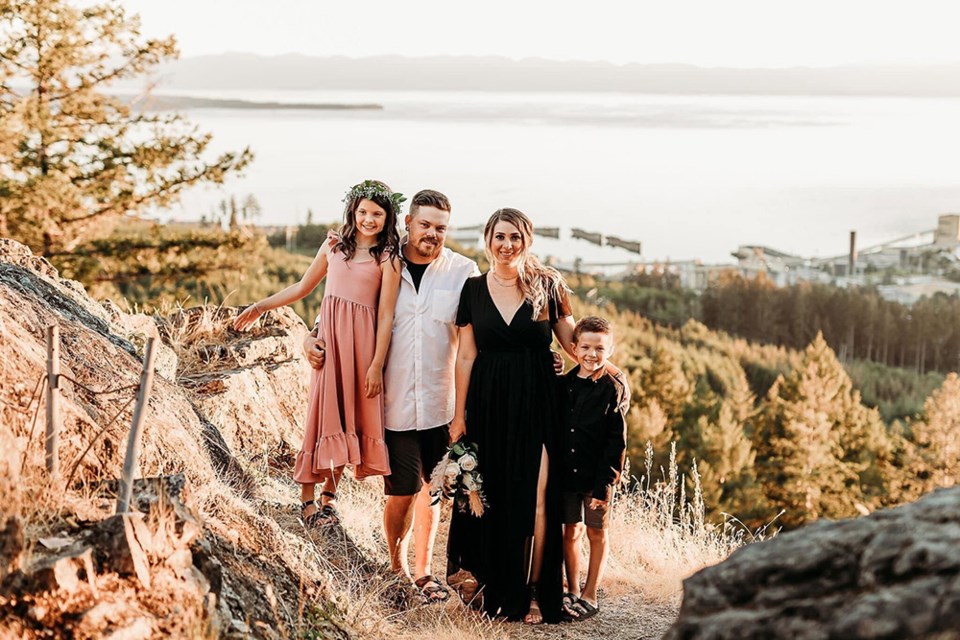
(456, 478)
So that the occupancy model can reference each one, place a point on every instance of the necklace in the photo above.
(500, 282)
(364, 248)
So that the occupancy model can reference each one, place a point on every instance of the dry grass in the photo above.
(195, 334)
(658, 535)
(45, 508)
(658, 538)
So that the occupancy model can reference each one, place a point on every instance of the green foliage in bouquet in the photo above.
(457, 477)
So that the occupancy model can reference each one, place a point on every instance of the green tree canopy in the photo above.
(814, 439)
(937, 436)
(73, 159)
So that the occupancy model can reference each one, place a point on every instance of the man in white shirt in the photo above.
(419, 383)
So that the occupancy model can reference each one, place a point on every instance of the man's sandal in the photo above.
(432, 589)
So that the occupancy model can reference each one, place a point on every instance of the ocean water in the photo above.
(691, 177)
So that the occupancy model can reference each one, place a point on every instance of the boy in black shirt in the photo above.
(595, 443)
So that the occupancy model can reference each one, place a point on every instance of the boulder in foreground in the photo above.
(894, 574)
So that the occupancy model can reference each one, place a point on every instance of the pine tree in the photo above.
(726, 453)
(234, 223)
(937, 436)
(75, 159)
(665, 382)
(904, 471)
(811, 437)
(251, 209)
(646, 424)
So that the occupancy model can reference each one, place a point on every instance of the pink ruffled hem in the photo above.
(376, 460)
(367, 455)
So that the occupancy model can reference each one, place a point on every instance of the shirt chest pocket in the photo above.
(443, 306)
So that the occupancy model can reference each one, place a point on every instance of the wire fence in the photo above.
(50, 383)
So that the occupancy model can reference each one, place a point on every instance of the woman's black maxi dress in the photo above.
(512, 413)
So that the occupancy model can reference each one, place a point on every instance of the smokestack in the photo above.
(852, 261)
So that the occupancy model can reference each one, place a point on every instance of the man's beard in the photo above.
(427, 250)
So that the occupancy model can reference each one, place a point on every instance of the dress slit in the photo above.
(512, 411)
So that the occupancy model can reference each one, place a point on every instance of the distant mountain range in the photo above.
(300, 72)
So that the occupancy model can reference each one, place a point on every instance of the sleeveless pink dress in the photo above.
(343, 425)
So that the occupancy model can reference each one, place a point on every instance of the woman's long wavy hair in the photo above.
(388, 240)
(537, 281)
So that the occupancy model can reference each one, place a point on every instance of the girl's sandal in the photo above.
(311, 520)
(328, 514)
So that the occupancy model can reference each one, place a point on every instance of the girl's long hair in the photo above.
(537, 281)
(388, 240)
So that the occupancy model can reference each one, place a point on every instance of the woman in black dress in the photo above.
(508, 404)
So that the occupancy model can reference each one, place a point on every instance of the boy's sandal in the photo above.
(569, 613)
(432, 589)
(585, 610)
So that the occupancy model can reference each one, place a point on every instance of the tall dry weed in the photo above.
(658, 536)
(195, 334)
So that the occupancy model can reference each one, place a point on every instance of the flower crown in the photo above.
(371, 189)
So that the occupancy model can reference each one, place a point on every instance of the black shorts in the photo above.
(576, 509)
(413, 455)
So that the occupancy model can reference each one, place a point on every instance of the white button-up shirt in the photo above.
(418, 377)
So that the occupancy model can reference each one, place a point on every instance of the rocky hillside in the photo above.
(215, 547)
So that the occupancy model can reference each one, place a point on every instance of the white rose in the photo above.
(469, 482)
(468, 462)
(452, 470)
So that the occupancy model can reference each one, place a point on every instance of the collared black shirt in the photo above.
(595, 432)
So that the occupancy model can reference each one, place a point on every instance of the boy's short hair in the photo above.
(429, 198)
(592, 324)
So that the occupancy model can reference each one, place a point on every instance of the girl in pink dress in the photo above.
(345, 412)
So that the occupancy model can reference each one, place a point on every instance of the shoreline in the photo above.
(173, 102)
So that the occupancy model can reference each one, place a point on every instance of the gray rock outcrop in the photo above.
(894, 574)
(230, 374)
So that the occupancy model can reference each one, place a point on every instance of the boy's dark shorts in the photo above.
(413, 455)
(576, 508)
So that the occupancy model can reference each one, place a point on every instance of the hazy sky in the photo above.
(744, 33)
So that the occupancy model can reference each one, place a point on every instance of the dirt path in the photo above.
(625, 616)
(621, 618)
(625, 613)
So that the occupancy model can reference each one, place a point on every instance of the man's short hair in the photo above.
(592, 324)
(429, 198)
